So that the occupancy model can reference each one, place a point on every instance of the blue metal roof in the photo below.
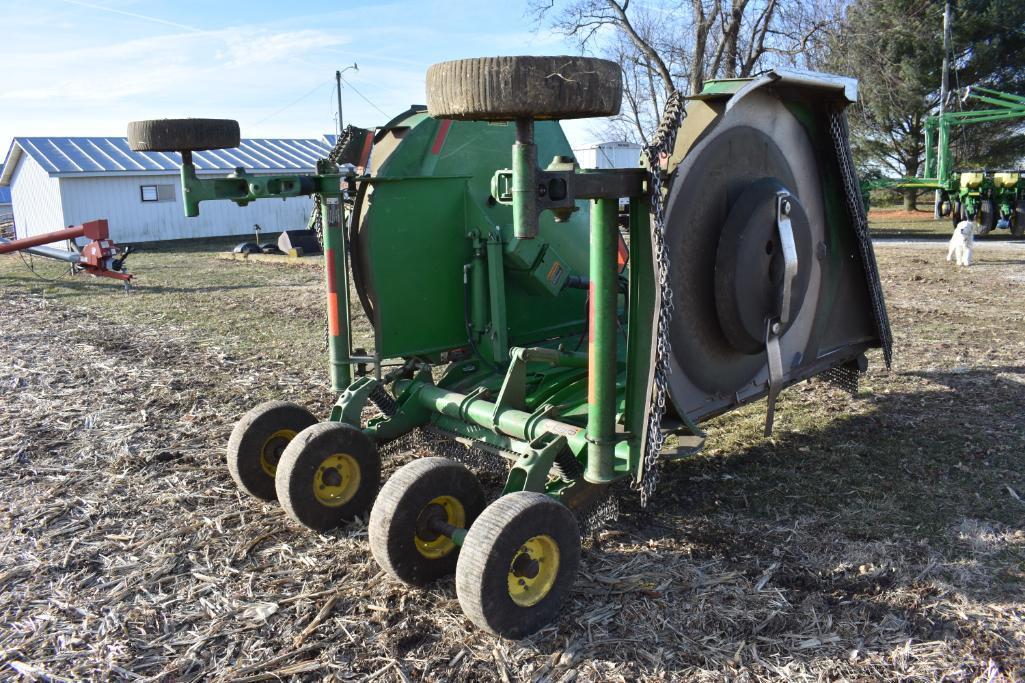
(68, 157)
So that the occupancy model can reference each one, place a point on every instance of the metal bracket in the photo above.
(786, 238)
(530, 471)
(772, 350)
(350, 404)
(774, 326)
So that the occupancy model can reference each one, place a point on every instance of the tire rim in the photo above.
(273, 447)
(533, 570)
(430, 543)
(336, 480)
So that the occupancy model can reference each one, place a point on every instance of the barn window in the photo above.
(157, 193)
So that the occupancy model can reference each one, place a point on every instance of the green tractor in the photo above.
(509, 318)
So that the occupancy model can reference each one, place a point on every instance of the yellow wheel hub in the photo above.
(272, 448)
(533, 571)
(336, 480)
(429, 543)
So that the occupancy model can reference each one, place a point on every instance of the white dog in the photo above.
(962, 243)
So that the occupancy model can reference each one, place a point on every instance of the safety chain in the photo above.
(315, 223)
(661, 147)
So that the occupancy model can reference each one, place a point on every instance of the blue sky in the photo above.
(87, 67)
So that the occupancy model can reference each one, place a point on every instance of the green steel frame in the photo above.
(529, 403)
(938, 173)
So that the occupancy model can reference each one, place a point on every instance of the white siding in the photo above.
(609, 155)
(132, 220)
(36, 198)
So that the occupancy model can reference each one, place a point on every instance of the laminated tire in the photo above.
(518, 564)
(401, 538)
(508, 88)
(328, 474)
(179, 135)
(258, 441)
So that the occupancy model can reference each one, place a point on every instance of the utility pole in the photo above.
(944, 89)
(338, 83)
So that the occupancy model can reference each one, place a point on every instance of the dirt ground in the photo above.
(879, 537)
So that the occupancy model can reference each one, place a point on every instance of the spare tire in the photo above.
(507, 88)
(179, 135)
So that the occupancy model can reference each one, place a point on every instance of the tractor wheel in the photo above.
(507, 88)
(987, 216)
(179, 135)
(517, 564)
(257, 442)
(955, 214)
(328, 474)
(1018, 220)
(401, 539)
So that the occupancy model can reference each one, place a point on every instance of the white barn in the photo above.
(56, 182)
(609, 155)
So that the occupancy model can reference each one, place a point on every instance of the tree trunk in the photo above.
(910, 200)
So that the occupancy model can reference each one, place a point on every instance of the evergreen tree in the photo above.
(895, 49)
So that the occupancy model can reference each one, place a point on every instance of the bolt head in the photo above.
(785, 207)
(776, 327)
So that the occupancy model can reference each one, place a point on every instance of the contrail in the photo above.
(144, 17)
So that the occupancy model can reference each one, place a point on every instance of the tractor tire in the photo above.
(180, 135)
(955, 214)
(987, 216)
(1018, 220)
(509, 88)
(400, 538)
(329, 474)
(257, 442)
(518, 564)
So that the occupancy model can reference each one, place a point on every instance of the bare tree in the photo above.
(664, 46)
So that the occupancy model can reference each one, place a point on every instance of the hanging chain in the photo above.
(316, 223)
(659, 151)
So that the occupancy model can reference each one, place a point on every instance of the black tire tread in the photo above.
(508, 88)
(424, 478)
(177, 135)
(1018, 224)
(284, 415)
(987, 217)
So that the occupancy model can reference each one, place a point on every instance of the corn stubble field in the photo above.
(872, 538)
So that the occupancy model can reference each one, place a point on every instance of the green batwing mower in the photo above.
(512, 317)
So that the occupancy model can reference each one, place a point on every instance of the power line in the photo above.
(383, 112)
(291, 104)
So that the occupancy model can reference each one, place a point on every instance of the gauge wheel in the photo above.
(987, 216)
(518, 564)
(401, 536)
(181, 135)
(507, 88)
(1018, 219)
(329, 474)
(257, 442)
(955, 214)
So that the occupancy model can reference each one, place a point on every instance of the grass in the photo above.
(875, 537)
